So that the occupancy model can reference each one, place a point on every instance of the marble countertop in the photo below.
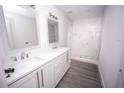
(38, 60)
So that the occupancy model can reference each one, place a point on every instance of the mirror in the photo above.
(21, 26)
(53, 31)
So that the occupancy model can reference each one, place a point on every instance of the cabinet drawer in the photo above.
(64, 57)
(61, 58)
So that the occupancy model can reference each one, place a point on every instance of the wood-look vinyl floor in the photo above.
(81, 75)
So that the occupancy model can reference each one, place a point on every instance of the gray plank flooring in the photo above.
(81, 75)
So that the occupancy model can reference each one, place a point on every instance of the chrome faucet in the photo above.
(24, 55)
(14, 58)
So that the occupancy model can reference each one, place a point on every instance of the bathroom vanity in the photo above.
(44, 70)
(46, 67)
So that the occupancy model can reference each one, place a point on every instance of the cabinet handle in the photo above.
(42, 78)
(38, 80)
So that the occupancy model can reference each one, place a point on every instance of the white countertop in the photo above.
(29, 65)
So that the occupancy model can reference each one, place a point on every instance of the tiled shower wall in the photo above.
(86, 38)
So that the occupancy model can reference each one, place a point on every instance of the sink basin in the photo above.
(38, 58)
(29, 62)
(25, 67)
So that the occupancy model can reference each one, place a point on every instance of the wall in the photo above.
(3, 82)
(112, 48)
(42, 19)
(86, 38)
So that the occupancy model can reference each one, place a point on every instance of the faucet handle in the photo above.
(23, 54)
(22, 57)
(14, 58)
(27, 55)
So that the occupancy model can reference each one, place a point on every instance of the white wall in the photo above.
(112, 48)
(3, 82)
(86, 38)
(42, 15)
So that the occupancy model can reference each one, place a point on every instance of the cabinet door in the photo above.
(61, 66)
(58, 71)
(48, 75)
(40, 75)
(66, 62)
(29, 81)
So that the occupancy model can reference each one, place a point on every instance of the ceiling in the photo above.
(75, 12)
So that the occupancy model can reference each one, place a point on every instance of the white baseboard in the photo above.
(101, 76)
(85, 60)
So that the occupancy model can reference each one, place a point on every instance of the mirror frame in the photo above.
(57, 42)
(10, 51)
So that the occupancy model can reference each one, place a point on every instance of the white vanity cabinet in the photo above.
(59, 67)
(55, 70)
(29, 81)
(46, 76)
